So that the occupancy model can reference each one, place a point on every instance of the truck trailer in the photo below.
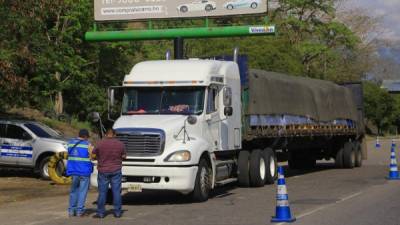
(192, 125)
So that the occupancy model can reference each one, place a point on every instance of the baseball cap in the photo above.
(83, 132)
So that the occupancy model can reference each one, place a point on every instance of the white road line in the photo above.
(325, 206)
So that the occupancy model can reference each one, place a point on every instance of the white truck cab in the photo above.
(175, 116)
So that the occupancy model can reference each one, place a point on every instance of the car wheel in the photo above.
(253, 5)
(243, 168)
(183, 9)
(209, 8)
(44, 168)
(202, 185)
(230, 7)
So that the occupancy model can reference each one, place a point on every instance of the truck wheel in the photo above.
(257, 168)
(339, 158)
(203, 182)
(357, 148)
(271, 169)
(349, 155)
(243, 168)
(44, 168)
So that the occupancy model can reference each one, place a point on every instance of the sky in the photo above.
(387, 10)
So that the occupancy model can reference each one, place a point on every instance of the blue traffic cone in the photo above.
(282, 211)
(377, 144)
(393, 144)
(393, 170)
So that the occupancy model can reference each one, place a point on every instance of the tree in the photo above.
(378, 106)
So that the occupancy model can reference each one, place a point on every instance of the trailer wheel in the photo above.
(257, 168)
(271, 169)
(339, 158)
(243, 168)
(202, 185)
(349, 155)
(357, 148)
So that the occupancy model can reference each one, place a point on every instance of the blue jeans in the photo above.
(77, 195)
(103, 182)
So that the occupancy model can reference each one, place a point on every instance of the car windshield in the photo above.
(163, 100)
(42, 131)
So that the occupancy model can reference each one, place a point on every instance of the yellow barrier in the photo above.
(53, 162)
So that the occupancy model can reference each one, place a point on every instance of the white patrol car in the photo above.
(29, 144)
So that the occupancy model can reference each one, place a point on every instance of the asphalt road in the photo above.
(322, 196)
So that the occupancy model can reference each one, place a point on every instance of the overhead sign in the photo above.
(109, 10)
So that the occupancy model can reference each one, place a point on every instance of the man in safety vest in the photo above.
(79, 167)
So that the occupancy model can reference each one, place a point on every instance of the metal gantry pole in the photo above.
(178, 48)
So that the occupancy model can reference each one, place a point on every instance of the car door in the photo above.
(4, 159)
(18, 145)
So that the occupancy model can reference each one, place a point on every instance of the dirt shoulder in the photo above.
(21, 184)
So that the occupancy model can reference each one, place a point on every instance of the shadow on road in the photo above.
(17, 172)
(151, 197)
(322, 166)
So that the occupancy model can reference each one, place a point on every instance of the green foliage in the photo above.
(43, 54)
(378, 106)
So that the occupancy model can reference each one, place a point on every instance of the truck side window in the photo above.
(2, 130)
(212, 100)
(16, 132)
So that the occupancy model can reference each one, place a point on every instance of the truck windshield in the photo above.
(163, 100)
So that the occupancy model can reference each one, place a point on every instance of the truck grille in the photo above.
(142, 142)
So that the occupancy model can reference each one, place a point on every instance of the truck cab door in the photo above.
(17, 146)
(213, 116)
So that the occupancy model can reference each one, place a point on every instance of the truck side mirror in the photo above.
(95, 116)
(111, 97)
(228, 111)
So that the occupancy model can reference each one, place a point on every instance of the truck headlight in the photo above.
(178, 156)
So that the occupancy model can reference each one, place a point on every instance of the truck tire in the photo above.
(339, 158)
(257, 168)
(57, 173)
(243, 168)
(271, 169)
(202, 184)
(357, 148)
(349, 155)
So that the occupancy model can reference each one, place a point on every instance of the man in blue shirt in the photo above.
(79, 167)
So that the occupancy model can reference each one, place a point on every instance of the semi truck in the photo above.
(194, 124)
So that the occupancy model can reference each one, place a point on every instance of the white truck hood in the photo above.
(164, 122)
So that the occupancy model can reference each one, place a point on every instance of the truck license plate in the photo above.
(135, 188)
